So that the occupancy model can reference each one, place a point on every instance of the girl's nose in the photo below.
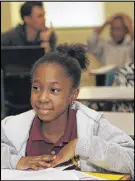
(44, 97)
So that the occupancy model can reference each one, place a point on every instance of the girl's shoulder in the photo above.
(19, 119)
(83, 112)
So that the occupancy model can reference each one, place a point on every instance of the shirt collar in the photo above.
(70, 132)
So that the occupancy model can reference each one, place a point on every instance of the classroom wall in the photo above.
(5, 12)
(65, 35)
(68, 35)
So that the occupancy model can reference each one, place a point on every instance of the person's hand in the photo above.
(45, 35)
(35, 162)
(46, 46)
(98, 30)
(128, 24)
(123, 15)
(109, 20)
(45, 38)
(126, 18)
(67, 153)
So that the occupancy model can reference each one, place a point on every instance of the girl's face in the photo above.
(51, 91)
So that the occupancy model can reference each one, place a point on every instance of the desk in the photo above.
(105, 97)
(124, 121)
(106, 93)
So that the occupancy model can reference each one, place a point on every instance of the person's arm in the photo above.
(53, 41)
(129, 26)
(101, 28)
(48, 40)
(5, 39)
(11, 37)
(9, 155)
(96, 47)
(110, 149)
(96, 44)
(12, 159)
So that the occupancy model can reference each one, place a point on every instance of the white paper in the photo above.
(84, 176)
(46, 174)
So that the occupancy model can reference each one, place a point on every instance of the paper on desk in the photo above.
(46, 174)
(55, 174)
(85, 176)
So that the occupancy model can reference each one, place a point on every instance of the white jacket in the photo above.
(101, 146)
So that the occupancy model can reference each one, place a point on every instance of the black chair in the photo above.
(16, 63)
(17, 94)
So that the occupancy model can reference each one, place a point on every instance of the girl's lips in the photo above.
(44, 111)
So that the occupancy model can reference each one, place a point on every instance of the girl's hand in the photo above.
(35, 162)
(65, 154)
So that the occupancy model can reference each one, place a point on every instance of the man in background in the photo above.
(33, 31)
(119, 49)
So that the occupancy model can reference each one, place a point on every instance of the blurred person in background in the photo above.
(119, 49)
(33, 31)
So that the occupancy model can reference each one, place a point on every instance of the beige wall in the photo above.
(68, 35)
(5, 12)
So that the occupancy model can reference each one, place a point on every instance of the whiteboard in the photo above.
(74, 14)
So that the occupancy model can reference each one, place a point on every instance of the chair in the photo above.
(17, 94)
(16, 63)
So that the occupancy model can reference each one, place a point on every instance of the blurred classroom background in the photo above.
(72, 34)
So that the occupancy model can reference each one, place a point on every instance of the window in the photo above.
(74, 14)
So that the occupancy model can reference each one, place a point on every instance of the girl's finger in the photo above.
(43, 164)
(34, 167)
(48, 157)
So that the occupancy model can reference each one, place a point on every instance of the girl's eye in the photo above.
(36, 88)
(55, 90)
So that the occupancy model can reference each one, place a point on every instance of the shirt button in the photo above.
(53, 152)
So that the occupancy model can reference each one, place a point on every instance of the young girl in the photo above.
(58, 127)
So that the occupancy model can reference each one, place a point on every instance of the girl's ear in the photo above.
(74, 95)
